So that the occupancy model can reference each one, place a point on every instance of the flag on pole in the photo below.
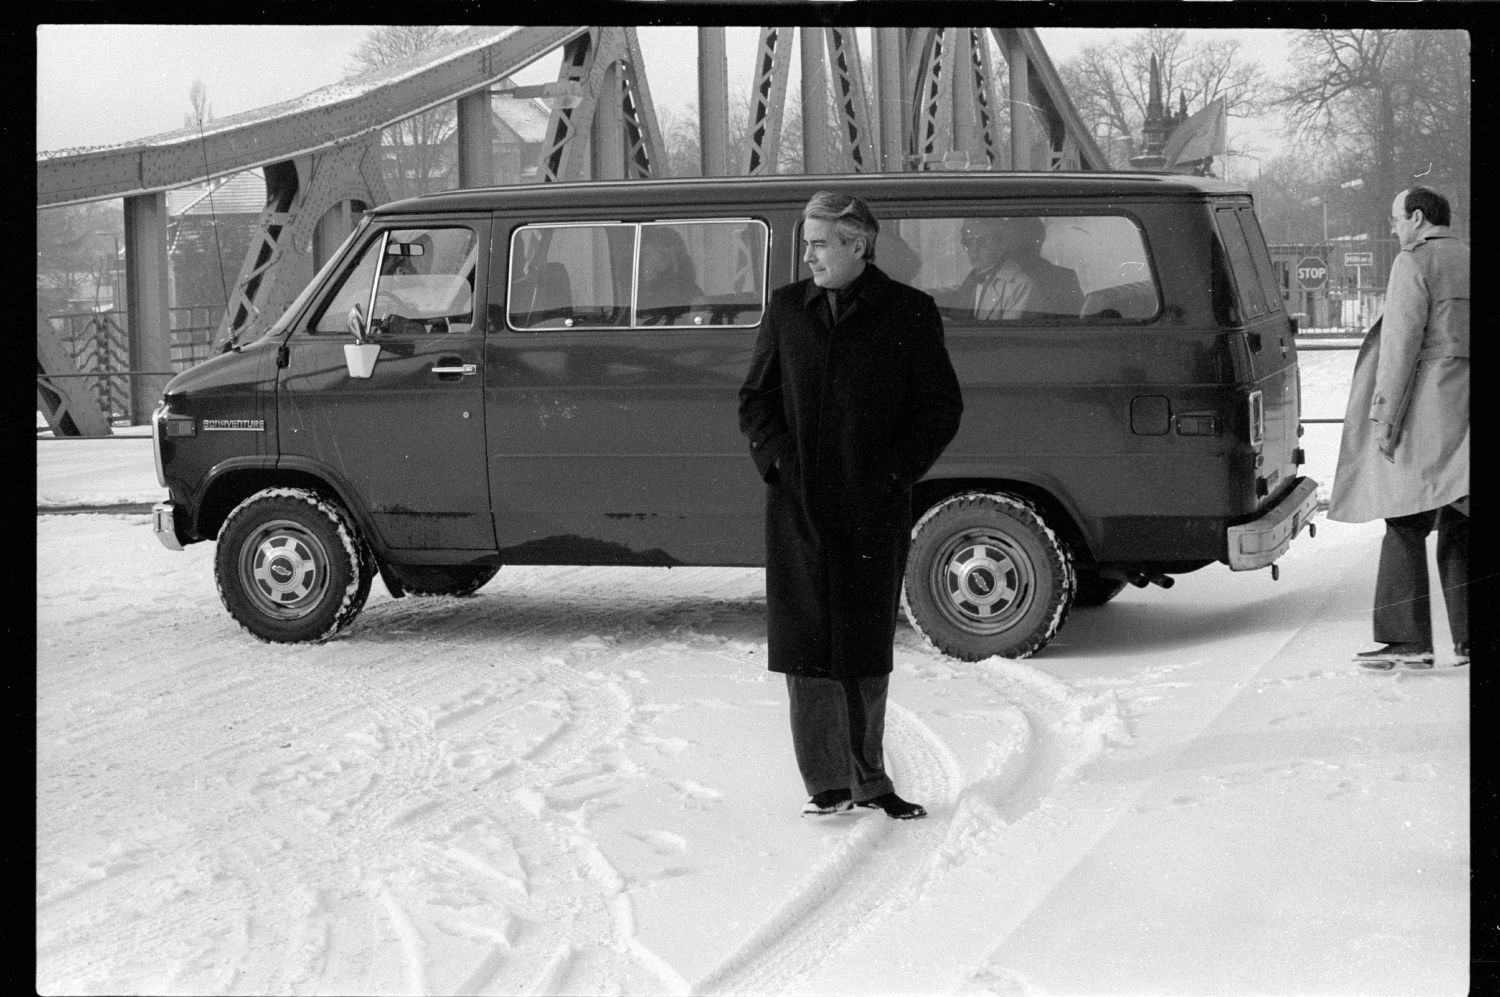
(1202, 136)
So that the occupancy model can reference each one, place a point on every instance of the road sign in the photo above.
(1312, 272)
(1359, 259)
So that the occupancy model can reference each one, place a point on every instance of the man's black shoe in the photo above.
(1460, 654)
(830, 801)
(1385, 658)
(895, 807)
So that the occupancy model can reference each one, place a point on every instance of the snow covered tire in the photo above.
(987, 576)
(290, 566)
(432, 579)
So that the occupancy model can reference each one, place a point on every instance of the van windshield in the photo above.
(300, 301)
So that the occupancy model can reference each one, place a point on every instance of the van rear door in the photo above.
(1272, 404)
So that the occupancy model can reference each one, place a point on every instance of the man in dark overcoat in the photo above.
(849, 400)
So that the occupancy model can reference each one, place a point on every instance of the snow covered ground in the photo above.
(579, 781)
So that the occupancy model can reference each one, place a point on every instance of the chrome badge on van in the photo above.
(224, 425)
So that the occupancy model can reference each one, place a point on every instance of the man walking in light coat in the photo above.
(1404, 456)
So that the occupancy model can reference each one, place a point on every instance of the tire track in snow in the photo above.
(878, 867)
(886, 867)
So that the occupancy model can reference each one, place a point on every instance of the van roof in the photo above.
(797, 188)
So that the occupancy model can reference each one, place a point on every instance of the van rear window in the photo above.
(1250, 261)
(700, 273)
(1036, 269)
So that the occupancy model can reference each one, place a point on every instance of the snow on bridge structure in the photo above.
(935, 106)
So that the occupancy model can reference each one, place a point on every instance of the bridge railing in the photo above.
(98, 342)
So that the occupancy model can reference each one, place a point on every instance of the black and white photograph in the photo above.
(693, 507)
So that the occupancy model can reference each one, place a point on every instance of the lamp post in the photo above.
(1322, 199)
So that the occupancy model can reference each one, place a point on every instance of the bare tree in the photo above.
(201, 112)
(75, 251)
(681, 138)
(418, 152)
(1110, 84)
(1389, 106)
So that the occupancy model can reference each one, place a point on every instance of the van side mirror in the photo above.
(356, 322)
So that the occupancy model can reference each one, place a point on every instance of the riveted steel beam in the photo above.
(299, 193)
(642, 131)
(602, 64)
(951, 80)
(333, 115)
(1039, 99)
(814, 102)
(773, 62)
(892, 99)
(851, 101)
(146, 283)
(927, 52)
(713, 102)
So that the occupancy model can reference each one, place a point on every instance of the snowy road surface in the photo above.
(580, 781)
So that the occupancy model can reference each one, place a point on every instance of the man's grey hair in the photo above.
(851, 217)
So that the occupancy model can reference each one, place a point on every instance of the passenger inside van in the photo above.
(668, 289)
(1009, 279)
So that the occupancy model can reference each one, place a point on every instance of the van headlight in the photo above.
(167, 425)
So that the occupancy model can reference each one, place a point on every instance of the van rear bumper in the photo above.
(1262, 540)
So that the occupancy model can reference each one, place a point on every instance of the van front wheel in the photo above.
(987, 576)
(291, 567)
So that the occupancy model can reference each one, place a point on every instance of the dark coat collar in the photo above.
(867, 287)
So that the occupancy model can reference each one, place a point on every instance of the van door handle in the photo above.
(450, 372)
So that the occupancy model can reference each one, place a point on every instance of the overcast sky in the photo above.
(103, 84)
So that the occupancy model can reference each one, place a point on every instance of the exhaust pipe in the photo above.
(1141, 580)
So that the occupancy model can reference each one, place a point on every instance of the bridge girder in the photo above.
(330, 116)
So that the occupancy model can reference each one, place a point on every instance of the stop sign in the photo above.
(1312, 272)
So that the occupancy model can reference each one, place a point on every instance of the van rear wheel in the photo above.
(987, 576)
(290, 566)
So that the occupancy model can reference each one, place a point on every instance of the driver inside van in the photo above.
(1010, 279)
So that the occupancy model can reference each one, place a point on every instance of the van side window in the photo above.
(423, 283)
(1025, 269)
(703, 273)
(679, 273)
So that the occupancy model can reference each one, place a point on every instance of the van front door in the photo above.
(406, 441)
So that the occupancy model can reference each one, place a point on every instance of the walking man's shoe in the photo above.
(895, 807)
(1460, 654)
(830, 801)
(1385, 658)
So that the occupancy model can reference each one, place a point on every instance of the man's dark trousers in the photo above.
(838, 727)
(1403, 613)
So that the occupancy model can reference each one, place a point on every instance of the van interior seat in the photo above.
(1136, 300)
(551, 295)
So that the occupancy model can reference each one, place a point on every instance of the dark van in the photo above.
(548, 375)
